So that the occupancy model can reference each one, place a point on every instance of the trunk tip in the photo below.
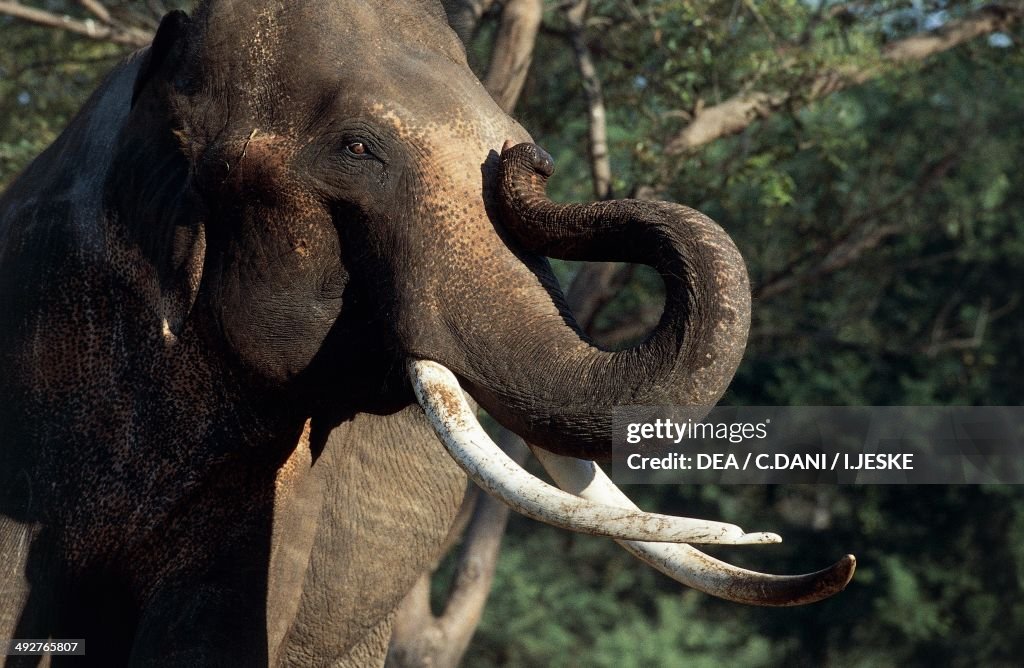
(530, 155)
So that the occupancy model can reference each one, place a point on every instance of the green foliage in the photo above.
(45, 75)
(885, 226)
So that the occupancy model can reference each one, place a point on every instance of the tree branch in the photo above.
(593, 287)
(103, 30)
(513, 51)
(632, 329)
(600, 165)
(97, 10)
(940, 343)
(738, 112)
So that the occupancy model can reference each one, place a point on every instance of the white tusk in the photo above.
(456, 425)
(691, 566)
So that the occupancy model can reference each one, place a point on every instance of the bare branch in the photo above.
(97, 9)
(513, 51)
(987, 20)
(104, 32)
(939, 344)
(632, 330)
(593, 287)
(724, 119)
(752, 8)
(600, 165)
(737, 113)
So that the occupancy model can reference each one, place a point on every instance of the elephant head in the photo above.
(291, 212)
(361, 194)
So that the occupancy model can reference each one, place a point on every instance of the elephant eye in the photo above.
(356, 148)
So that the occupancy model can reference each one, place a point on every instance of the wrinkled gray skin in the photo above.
(210, 285)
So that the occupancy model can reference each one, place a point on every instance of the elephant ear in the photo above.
(149, 185)
(169, 41)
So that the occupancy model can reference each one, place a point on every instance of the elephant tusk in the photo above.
(456, 426)
(691, 566)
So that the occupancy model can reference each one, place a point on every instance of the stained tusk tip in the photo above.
(847, 564)
(834, 579)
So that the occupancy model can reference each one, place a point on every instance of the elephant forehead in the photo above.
(454, 158)
(458, 131)
(454, 163)
(282, 57)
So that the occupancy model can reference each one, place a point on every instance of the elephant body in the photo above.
(171, 554)
(397, 492)
(211, 286)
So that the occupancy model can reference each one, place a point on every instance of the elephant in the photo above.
(244, 292)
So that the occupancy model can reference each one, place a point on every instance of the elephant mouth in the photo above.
(589, 502)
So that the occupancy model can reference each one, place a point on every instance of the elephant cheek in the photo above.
(281, 293)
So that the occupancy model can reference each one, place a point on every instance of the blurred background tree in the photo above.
(866, 157)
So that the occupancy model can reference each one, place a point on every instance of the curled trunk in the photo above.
(565, 403)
